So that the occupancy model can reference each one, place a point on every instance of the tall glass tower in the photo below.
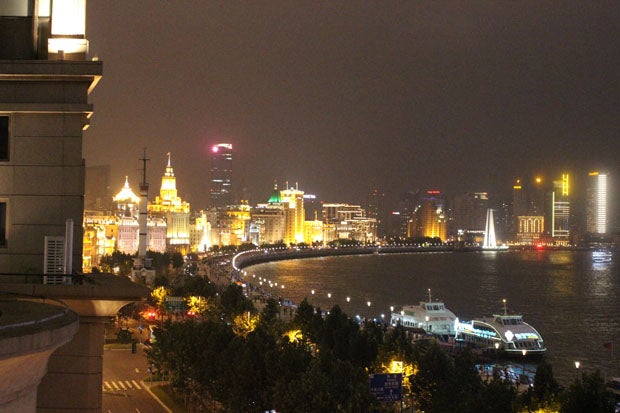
(220, 190)
(596, 213)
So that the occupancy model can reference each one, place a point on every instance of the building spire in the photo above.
(169, 170)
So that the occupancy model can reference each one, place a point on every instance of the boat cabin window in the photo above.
(434, 307)
(511, 321)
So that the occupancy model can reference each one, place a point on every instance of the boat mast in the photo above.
(505, 309)
(430, 300)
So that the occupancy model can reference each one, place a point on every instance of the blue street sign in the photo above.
(386, 387)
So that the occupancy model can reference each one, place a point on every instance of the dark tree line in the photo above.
(321, 363)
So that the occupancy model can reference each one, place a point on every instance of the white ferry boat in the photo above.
(505, 334)
(431, 316)
(601, 256)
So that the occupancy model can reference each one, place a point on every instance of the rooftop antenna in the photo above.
(144, 159)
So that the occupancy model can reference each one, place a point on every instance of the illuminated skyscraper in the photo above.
(596, 207)
(560, 217)
(220, 191)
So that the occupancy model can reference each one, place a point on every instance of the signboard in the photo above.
(175, 304)
(386, 387)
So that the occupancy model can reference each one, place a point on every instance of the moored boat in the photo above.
(505, 334)
(431, 316)
(601, 255)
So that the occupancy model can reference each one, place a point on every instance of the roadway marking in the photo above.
(120, 385)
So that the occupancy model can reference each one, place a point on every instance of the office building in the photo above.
(220, 189)
(560, 217)
(596, 203)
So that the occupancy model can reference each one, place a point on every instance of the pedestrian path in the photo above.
(120, 385)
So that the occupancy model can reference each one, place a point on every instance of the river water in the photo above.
(569, 299)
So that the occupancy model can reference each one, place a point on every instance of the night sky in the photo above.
(343, 96)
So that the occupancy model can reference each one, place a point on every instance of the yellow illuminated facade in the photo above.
(313, 231)
(294, 215)
(99, 238)
(429, 221)
(238, 218)
(106, 232)
(199, 232)
(174, 210)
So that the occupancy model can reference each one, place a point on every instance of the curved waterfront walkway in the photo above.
(259, 256)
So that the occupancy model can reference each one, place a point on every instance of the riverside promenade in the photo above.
(260, 255)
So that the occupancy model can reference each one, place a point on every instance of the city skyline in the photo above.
(347, 97)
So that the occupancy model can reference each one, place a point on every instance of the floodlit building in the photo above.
(346, 221)
(174, 210)
(268, 220)
(199, 232)
(294, 215)
(313, 230)
(429, 218)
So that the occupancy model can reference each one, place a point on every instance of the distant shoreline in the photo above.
(248, 258)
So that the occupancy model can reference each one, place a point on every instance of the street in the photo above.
(122, 388)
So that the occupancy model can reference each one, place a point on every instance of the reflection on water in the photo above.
(571, 302)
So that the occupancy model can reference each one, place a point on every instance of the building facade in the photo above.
(560, 217)
(169, 206)
(220, 184)
(44, 110)
(596, 203)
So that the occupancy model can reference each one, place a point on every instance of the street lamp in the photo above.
(348, 299)
(577, 365)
